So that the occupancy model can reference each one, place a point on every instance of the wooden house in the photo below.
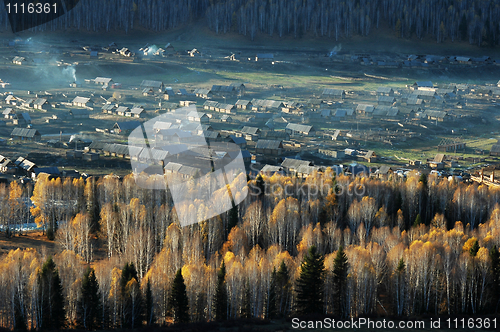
(269, 147)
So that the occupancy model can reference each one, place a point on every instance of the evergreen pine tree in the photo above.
(271, 301)
(259, 182)
(51, 300)
(310, 284)
(178, 302)
(233, 217)
(340, 266)
(220, 297)
(132, 302)
(283, 289)
(474, 249)
(89, 305)
(418, 221)
(149, 305)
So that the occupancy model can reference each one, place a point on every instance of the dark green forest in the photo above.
(475, 21)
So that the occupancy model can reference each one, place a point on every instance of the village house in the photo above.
(137, 112)
(495, 149)
(331, 94)
(194, 116)
(365, 109)
(243, 104)
(109, 108)
(8, 113)
(266, 105)
(227, 90)
(438, 162)
(22, 119)
(148, 92)
(121, 110)
(25, 134)
(82, 102)
(300, 129)
(226, 118)
(203, 93)
(225, 108)
(250, 133)
(269, 147)
(270, 170)
(103, 81)
(18, 60)
(292, 165)
(42, 104)
(155, 85)
(210, 105)
(386, 100)
(385, 91)
(240, 141)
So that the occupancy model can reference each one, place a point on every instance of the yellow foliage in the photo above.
(468, 244)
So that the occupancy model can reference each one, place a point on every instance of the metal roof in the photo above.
(268, 144)
(25, 132)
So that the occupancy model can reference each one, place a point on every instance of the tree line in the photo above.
(474, 21)
(327, 244)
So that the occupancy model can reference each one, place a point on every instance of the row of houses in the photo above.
(134, 112)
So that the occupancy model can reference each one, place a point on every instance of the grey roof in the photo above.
(225, 106)
(385, 89)
(210, 103)
(435, 114)
(333, 92)
(24, 116)
(117, 148)
(299, 127)
(305, 169)
(127, 125)
(495, 148)
(267, 103)
(268, 144)
(137, 110)
(25, 132)
(40, 101)
(122, 109)
(295, 163)
(243, 102)
(159, 125)
(102, 80)
(81, 100)
(151, 84)
(202, 91)
(271, 169)
(384, 169)
(96, 145)
(108, 107)
(365, 108)
(386, 99)
(237, 140)
(153, 154)
(223, 88)
(250, 130)
(8, 111)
